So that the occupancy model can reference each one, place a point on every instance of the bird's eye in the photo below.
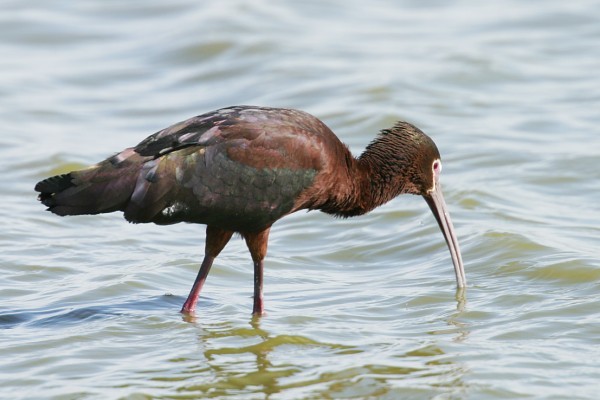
(437, 166)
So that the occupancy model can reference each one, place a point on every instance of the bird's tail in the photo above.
(101, 188)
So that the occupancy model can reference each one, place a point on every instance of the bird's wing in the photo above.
(234, 169)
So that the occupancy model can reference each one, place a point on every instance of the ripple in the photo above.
(357, 308)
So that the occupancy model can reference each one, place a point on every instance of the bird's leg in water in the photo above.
(216, 239)
(257, 244)
(190, 304)
(259, 305)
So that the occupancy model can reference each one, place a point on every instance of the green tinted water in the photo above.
(358, 308)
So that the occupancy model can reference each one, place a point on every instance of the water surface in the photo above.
(358, 308)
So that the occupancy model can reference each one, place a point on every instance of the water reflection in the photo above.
(461, 298)
(246, 358)
(460, 329)
(251, 359)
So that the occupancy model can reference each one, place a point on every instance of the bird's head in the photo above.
(410, 162)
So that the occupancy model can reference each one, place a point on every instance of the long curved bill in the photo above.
(436, 203)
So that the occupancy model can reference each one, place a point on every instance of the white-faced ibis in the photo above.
(240, 169)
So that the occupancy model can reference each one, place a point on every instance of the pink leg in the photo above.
(216, 239)
(190, 304)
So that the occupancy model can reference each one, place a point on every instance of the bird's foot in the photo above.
(259, 308)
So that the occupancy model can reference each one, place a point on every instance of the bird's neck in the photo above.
(372, 180)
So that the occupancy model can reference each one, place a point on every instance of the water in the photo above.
(359, 308)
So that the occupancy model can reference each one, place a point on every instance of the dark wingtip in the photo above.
(54, 184)
(51, 186)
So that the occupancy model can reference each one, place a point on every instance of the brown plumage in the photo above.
(240, 169)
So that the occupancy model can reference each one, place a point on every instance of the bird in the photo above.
(240, 169)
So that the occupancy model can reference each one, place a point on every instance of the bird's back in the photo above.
(239, 168)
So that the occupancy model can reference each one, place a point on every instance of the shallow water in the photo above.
(359, 308)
